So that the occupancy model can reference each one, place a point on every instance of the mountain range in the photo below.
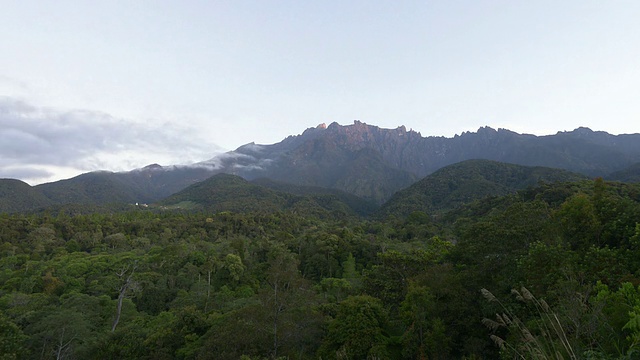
(360, 164)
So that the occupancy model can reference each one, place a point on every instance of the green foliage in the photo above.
(17, 196)
(12, 340)
(425, 335)
(357, 331)
(578, 222)
(620, 307)
(321, 195)
(467, 181)
(225, 192)
(629, 174)
(299, 285)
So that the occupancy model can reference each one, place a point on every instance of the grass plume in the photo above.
(550, 343)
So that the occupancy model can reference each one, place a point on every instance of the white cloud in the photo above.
(42, 144)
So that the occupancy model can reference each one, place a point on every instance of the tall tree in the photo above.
(127, 283)
(358, 330)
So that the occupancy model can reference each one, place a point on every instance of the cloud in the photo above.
(38, 142)
(222, 160)
(251, 148)
(238, 160)
(25, 172)
(9, 85)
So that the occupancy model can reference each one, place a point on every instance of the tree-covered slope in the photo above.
(468, 181)
(359, 205)
(630, 174)
(17, 196)
(224, 192)
(147, 284)
(91, 188)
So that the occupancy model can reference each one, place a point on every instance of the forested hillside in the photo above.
(162, 284)
(225, 192)
(16, 196)
(468, 181)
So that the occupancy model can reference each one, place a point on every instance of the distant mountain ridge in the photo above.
(360, 159)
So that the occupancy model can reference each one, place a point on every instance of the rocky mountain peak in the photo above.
(152, 167)
(583, 131)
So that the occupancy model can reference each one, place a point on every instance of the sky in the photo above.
(117, 85)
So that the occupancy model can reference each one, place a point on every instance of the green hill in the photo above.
(467, 181)
(17, 196)
(97, 188)
(630, 174)
(224, 192)
(320, 194)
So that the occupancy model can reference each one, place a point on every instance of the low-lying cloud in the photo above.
(39, 144)
(238, 160)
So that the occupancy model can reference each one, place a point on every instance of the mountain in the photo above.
(374, 163)
(224, 192)
(467, 181)
(146, 185)
(630, 174)
(16, 196)
(89, 188)
(155, 182)
(324, 157)
(366, 161)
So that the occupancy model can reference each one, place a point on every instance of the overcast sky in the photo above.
(115, 85)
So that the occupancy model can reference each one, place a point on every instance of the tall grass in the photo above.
(549, 341)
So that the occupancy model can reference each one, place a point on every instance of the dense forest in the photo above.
(551, 271)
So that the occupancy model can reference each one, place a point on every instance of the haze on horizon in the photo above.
(118, 85)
